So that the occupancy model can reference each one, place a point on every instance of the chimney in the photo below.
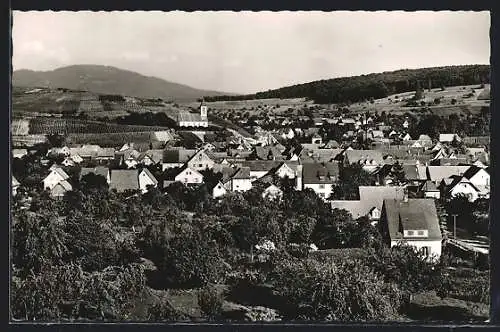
(298, 178)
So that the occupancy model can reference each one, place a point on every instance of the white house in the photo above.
(413, 222)
(462, 187)
(189, 176)
(200, 161)
(146, 179)
(286, 170)
(68, 162)
(55, 176)
(272, 192)
(240, 180)
(219, 190)
(319, 177)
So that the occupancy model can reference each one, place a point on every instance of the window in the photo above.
(420, 233)
(185, 179)
(200, 165)
(321, 186)
(410, 233)
(322, 195)
(425, 250)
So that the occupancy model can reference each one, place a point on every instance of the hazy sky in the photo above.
(247, 52)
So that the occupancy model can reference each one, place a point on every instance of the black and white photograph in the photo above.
(249, 167)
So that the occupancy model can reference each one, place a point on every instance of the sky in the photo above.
(247, 52)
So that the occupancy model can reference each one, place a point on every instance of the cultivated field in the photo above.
(66, 126)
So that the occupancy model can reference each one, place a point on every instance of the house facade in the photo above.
(189, 176)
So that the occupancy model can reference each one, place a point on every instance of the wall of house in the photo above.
(285, 171)
(144, 181)
(201, 162)
(464, 189)
(58, 191)
(218, 191)
(434, 246)
(241, 184)
(322, 190)
(189, 177)
(481, 178)
(51, 180)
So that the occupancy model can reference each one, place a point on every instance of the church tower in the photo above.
(203, 110)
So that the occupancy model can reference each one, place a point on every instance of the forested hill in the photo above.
(365, 87)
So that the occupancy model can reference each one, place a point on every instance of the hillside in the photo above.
(374, 86)
(108, 80)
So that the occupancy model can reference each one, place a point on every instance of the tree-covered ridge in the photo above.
(380, 85)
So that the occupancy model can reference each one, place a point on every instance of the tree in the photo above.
(210, 301)
(329, 291)
(91, 181)
(398, 174)
(56, 140)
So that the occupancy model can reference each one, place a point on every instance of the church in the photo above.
(188, 119)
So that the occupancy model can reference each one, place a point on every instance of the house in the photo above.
(64, 151)
(430, 190)
(425, 141)
(146, 179)
(406, 137)
(413, 222)
(200, 161)
(15, 184)
(479, 177)
(369, 159)
(375, 134)
(162, 136)
(448, 138)
(99, 170)
(461, 186)
(406, 124)
(76, 158)
(55, 176)
(173, 158)
(19, 153)
(319, 177)
(87, 151)
(259, 168)
(124, 179)
(287, 169)
(437, 173)
(105, 154)
(151, 157)
(218, 190)
(68, 162)
(319, 155)
(129, 157)
(187, 175)
(370, 202)
(477, 140)
(60, 189)
(240, 180)
(316, 139)
(272, 192)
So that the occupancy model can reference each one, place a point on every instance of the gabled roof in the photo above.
(260, 165)
(357, 209)
(320, 172)
(162, 136)
(156, 155)
(373, 196)
(61, 172)
(415, 214)
(423, 138)
(124, 179)
(355, 156)
(468, 174)
(106, 152)
(437, 173)
(241, 173)
(319, 155)
(447, 137)
(189, 117)
(177, 155)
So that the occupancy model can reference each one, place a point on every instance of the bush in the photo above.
(165, 311)
(210, 301)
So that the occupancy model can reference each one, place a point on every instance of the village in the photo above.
(250, 167)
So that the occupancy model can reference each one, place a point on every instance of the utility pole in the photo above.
(454, 226)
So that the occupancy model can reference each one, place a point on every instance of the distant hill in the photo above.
(108, 80)
(374, 86)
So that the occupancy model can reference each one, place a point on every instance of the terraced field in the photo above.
(110, 139)
(43, 125)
